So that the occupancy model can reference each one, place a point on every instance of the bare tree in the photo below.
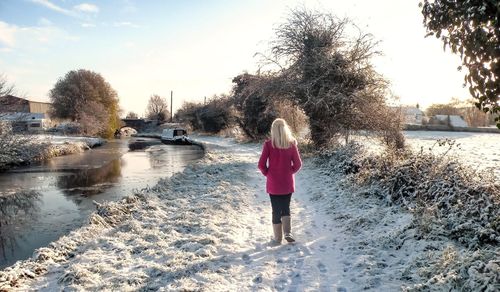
(467, 109)
(214, 116)
(157, 108)
(450, 108)
(475, 117)
(132, 115)
(5, 87)
(328, 74)
(92, 118)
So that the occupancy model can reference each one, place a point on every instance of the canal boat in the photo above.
(175, 136)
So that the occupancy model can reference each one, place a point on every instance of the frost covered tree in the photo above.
(85, 96)
(13, 147)
(157, 108)
(132, 115)
(214, 116)
(5, 87)
(328, 73)
(253, 98)
(258, 101)
(471, 28)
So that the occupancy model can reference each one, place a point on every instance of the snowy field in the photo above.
(208, 228)
(480, 150)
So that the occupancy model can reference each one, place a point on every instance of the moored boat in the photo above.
(176, 136)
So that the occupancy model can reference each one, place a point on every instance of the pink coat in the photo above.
(279, 167)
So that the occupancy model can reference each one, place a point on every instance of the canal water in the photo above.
(40, 203)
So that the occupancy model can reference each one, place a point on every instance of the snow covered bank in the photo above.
(181, 234)
(208, 229)
(18, 150)
(451, 238)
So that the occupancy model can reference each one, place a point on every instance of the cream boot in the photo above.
(278, 233)
(287, 227)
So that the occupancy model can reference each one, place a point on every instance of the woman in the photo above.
(279, 161)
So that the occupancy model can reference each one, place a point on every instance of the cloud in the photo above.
(87, 25)
(44, 22)
(31, 37)
(54, 7)
(129, 7)
(83, 7)
(125, 24)
(86, 7)
(7, 34)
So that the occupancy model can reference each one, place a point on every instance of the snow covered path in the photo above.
(208, 229)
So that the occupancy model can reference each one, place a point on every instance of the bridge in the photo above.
(138, 124)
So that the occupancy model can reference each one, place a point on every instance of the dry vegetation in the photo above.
(449, 203)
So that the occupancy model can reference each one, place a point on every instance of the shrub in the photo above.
(213, 117)
(447, 200)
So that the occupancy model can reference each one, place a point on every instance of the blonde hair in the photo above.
(281, 136)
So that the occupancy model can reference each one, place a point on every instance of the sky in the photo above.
(195, 47)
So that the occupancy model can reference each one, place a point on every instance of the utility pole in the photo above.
(205, 100)
(171, 105)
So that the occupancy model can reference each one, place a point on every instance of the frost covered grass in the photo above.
(179, 235)
(16, 150)
(455, 225)
(208, 229)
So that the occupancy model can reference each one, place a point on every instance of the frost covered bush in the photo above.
(345, 160)
(16, 149)
(450, 203)
(464, 203)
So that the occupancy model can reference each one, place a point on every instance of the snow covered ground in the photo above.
(58, 140)
(480, 150)
(18, 150)
(208, 228)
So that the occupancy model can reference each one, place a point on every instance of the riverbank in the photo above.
(208, 228)
(19, 150)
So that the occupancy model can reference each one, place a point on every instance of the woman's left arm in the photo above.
(297, 162)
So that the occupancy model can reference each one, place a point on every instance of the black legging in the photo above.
(281, 206)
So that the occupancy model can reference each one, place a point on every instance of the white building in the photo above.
(31, 122)
(412, 115)
(452, 120)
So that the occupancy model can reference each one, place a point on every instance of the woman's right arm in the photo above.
(263, 159)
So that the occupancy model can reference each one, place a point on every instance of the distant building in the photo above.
(22, 122)
(412, 115)
(14, 104)
(23, 114)
(451, 120)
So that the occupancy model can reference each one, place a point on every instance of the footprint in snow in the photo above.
(246, 258)
(257, 279)
(280, 284)
(322, 248)
(322, 268)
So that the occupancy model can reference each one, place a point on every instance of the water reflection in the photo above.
(88, 182)
(58, 196)
(16, 209)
